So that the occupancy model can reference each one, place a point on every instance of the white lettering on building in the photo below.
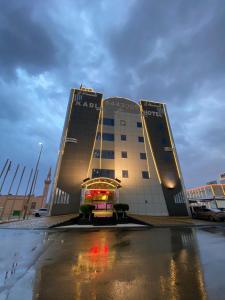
(152, 113)
(87, 104)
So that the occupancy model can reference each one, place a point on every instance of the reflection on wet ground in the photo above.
(140, 264)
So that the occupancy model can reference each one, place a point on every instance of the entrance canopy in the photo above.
(101, 183)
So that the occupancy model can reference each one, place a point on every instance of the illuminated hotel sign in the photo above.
(87, 104)
(152, 109)
(153, 113)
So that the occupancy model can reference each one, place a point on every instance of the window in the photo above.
(142, 155)
(108, 137)
(122, 122)
(107, 121)
(103, 173)
(139, 124)
(123, 137)
(124, 154)
(141, 139)
(125, 173)
(105, 136)
(108, 154)
(145, 175)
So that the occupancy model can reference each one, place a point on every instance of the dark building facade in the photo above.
(117, 151)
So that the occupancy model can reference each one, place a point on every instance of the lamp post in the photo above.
(32, 184)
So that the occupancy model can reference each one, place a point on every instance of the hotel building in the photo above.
(117, 151)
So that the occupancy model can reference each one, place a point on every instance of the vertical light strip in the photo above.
(212, 190)
(61, 150)
(205, 192)
(171, 141)
(91, 158)
(223, 189)
(148, 166)
(101, 136)
(143, 121)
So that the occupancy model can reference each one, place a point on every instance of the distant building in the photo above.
(117, 151)
(211, 182)
(13, 205)
(210, 195)
(222, 178)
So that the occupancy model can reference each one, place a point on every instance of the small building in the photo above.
(12, 206)
(222, 178)
(209, 195)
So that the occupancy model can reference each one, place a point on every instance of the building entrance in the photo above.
(102, 193)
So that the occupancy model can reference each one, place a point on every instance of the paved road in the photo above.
(161, 263)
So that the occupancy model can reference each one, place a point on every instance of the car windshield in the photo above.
(215, 210)
(43, 209)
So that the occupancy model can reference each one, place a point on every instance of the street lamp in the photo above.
(32, 184)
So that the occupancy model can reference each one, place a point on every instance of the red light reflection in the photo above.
(99, 251)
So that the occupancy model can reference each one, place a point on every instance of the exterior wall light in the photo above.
(170, 184)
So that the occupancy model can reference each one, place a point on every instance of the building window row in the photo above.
(111, 173)
(106, 154)
(103, 173)
(110, 137)
(105, 136)
(108, 121)
(61, 197)
(111, 122)
(110, 154)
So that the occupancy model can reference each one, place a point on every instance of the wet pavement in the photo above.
(159, 263)
(36, 223)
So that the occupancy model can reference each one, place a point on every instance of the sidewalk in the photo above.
(165, 221)
(37, 223)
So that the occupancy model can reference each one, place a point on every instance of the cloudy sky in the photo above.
(170, 51)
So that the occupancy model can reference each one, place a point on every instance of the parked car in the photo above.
(209, 214)
(222, 209)
(41, 212)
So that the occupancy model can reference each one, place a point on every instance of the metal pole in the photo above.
(32, 193)
(3, 169)
(36, 176)
(7, 171)
(14, 177)
(21, 177)
(32, 184)
(31, 172)
(14, 200)
(25, 194)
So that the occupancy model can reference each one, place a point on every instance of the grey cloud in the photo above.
(163, 50)
(24, 40)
